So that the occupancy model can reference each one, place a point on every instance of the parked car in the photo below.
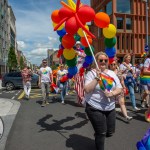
(13, 80)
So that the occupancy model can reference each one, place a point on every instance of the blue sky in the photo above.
(34, 27)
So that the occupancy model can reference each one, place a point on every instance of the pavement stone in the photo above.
(8, 111)
(0, 84)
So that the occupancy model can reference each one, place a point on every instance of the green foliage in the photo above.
(12, 59)
(21, 63)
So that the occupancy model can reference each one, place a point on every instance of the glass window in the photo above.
(128, 24)
(109, 8)
(124, 6)
(122, 42)
(118, 42)
(119, 23)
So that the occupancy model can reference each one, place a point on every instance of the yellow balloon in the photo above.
(80, 31)
(72, 4)
(69, 53)
(60, 28)
(109, 32)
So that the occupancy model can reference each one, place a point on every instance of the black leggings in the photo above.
(103, 123)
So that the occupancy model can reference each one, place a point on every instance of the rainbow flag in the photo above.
(145, 79)
(106, 82)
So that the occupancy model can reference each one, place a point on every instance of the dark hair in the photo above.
(44, 60)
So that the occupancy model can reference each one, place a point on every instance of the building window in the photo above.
(109, 8)
(124, 6)
(119, 23)
(122, 43)
(118, 42)
(128, 23)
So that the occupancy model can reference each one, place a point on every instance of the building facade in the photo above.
(129, 17)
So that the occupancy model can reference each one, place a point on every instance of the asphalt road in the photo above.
(66, 127)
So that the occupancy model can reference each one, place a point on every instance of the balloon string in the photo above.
(95, 61)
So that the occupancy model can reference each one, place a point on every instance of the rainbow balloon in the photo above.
(106, 82)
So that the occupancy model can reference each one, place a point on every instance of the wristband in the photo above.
(97, 78)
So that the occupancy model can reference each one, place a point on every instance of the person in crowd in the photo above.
(121, 97)
(100, 101)
(145, 81)
(129, 78)
(26, 76)
(79, 84)
(45, 79)
(62, 83)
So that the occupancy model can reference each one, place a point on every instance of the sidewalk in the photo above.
(0, 83)
(8, 111)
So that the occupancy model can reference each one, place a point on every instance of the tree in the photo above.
(12, 59)
(21, 63)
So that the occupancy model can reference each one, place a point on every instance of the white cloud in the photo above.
(21, 44)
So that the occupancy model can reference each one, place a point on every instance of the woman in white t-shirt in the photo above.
(100, 99)
(62, 84)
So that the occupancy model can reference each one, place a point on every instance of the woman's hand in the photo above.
(109, 93)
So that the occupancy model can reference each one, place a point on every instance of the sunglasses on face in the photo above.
(44, 62)
(113, 64)
(103, 60)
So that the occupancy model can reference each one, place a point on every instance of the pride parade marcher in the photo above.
(145, 81)
(62, 84)
(100, 96)
(120, 98)
(79, 84)
(45, 79)
(129, 75)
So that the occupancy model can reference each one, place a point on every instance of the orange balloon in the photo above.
(84, 42)
(68, 41)
(55, 16)
(102, 20)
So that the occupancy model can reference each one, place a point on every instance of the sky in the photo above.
(34, 27)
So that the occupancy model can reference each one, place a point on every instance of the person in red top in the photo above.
(26, 77)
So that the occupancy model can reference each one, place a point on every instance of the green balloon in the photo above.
(110, 42)
(77, 37)
(72, 62)
(60, 38)
(87, 50)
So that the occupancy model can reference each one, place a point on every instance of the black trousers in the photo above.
(103, 123)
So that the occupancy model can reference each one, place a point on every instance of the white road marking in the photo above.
(13, 97)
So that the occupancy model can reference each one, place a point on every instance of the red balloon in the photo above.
(102, 20)
(64, 78)
(111, 60)
(64, 12)
(68, 41)
(86, 14)
(55, 16)
(84, 42)
(81, 71)
(71, 26)
(60, 52)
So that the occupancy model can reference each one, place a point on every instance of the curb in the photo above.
(8, 120)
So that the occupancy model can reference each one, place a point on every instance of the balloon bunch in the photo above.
(102, 20)
(70, 24)
(143, 54)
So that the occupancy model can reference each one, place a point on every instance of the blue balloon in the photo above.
(72, 70)
(62, 32)
(89, 59)
(85, 65)
(69, 76)
(110, 52)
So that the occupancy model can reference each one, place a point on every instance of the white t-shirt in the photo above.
(45, 74)
(147, 63)
(61, 73)
(97, 98)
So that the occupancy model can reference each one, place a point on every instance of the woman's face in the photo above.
(78, 46)
(128, 59)
(102, 62)
(113, 65)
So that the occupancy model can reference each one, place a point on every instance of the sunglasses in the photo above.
(103, 60)
(44, 62)
(113, 64)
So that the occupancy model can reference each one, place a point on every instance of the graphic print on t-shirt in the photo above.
(44, 71)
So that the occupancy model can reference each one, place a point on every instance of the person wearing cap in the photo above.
(62, 84)
(45, 79)
(79, 84)
(26, 76)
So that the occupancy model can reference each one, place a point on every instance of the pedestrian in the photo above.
(62, 83)
(129, 77)
(26, 77)
(100, 99)
(45, 80)
(79, 84)
(145, 81)
(121, 97)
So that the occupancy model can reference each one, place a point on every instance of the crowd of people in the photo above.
(99, 89)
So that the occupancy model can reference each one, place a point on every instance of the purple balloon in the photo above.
(85, 65)
(61, 47)
(69, 76)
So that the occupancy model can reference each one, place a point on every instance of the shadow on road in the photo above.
(79, 142)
